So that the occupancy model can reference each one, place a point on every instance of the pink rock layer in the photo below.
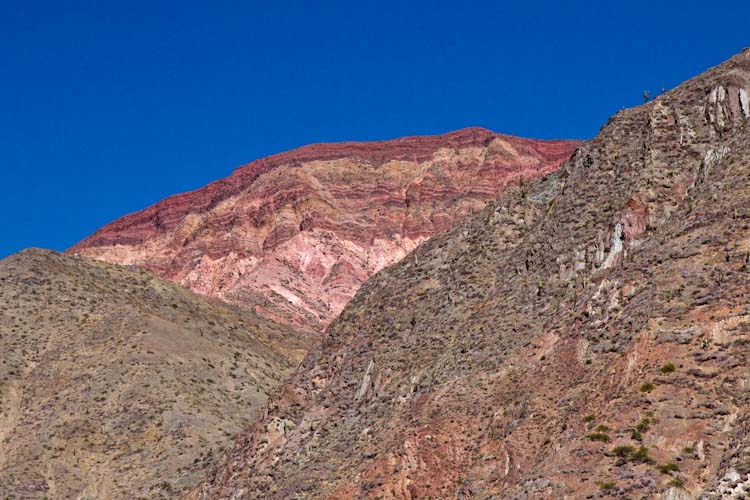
(294, 235)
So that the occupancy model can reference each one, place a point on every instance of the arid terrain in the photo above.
(293, 236)
(585, 336)
(115, 383)
(471, 315)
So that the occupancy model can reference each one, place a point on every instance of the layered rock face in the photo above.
(115, 383)
(585, 336)
(295, 235)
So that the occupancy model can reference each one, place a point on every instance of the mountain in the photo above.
(294, 235)
(585, 336)
(115, 383)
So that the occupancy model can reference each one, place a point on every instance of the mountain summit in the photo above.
(585, 336)
(294, 235)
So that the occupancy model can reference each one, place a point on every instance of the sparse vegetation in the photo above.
(647, 387)
(667, 468)
(668, 368)
(643, 425)
(599, 436)
(623, 451)
(641, 455)
(605, 485)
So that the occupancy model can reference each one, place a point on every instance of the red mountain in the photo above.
(294, 235)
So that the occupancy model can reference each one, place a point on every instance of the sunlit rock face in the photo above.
(295, 235)
(586, 336)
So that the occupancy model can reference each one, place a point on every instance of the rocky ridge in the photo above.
(585, 336)
(294, 235)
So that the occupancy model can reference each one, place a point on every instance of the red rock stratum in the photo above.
(294, 235)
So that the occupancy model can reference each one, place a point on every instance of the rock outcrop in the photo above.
(295, 235)
(585, 336)
(115, 383)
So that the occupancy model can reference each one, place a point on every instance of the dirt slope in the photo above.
(115, 383)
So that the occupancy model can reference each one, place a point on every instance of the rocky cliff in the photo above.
(295, 235)
(585, 336)
(115, 383)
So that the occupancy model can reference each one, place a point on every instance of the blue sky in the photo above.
(108, 107)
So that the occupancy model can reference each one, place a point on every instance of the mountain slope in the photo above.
(585, 336)
(117, 384)
(294, 235)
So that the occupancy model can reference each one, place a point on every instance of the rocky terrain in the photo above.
(294, 235)
(115, 383)
(585, 336)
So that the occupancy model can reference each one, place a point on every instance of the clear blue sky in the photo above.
(107, 107)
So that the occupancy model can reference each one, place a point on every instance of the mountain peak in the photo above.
(295, 234)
